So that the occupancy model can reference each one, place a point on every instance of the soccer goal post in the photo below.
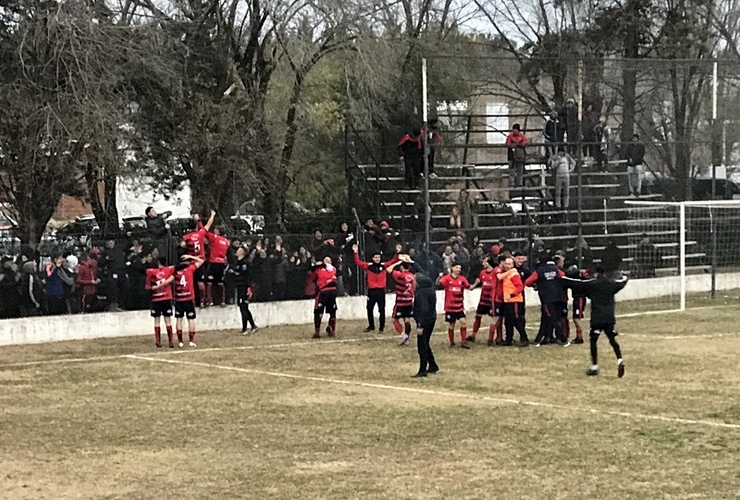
(688, 253)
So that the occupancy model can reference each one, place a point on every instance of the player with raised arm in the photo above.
(185, 295)
(454, 286)
(375, 270)
(325, 276)
(601, 291)
(194, 243)
(487, 279)
(405, 289)
(159, 282)
(218, 248)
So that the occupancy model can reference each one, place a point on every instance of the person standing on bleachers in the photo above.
(516, 144)
(561, 166)
(635, 161)
(603, 135)
(554, 134)
(433, 138)
(410, 150)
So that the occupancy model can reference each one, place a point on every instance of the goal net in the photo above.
(683, 254)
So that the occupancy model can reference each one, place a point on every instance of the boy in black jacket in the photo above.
(425, 314)
(601, 290)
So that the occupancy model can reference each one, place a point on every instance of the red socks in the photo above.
(579, 333)
(463, 333)
(491, 332)
(500, 330)
(333, 324)
(209, 293)
(170, 336)
(192, 336)
(407, 328)
(476, 325)
(158, 335)
(451, 335)
(397, 326)
(179, 335)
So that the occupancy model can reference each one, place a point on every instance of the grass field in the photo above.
(277, 416)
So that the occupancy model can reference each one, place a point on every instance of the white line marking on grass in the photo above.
(190, 351)
(634, 416)
(671, 311)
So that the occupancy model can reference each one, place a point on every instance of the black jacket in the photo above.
(242, 277)
(155, 225)
(635, 153)
(425, 301)
(601, 291)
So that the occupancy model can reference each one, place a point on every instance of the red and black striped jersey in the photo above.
(488, 282)
(454, 293)
(405, 288)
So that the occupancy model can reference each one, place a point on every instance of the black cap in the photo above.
(518, 253)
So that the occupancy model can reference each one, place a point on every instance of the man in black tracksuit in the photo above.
(550, 289)
(601, 291)
(375, 271)
(425, 314)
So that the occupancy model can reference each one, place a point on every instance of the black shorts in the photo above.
(403, 312)
(215, 274)
(579, 307)
(185, 309)
(451, 317)
(242, 295)
(498, 309)
(609, 329)
(326, 302)
(484, 310)
(162, 308)
(200, 275)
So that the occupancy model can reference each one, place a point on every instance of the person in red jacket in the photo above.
(219, 247)
(375, 271)
(325, 277)
(454, 286)
(159, 282)
(516, 144)
(87, 280)
(194, 243)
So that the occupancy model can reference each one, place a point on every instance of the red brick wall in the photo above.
(70, 208)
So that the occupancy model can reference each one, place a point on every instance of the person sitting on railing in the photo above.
(516, 143)
(412, 155)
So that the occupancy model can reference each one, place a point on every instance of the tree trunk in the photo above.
(629, 75)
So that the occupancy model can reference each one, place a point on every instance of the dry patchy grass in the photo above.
(350, 423)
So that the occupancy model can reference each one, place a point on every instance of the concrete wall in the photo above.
(108, 325)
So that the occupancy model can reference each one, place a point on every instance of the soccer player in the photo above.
(218, 248)
(185, 295)
(488, 280)
(579, 301)
(454, 286)
(242, 280)
(498, 305)
(425, 314)
(404, 307)
(159, 282)
(601, 291)
(194, 243)
(513, 291)
(325, 276)
(375, 271)
(550, 289)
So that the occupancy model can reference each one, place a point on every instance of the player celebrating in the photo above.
(498, 305)
(550, 289)
(242, 280)
(217, 250)
(325, 276)
(513, 289)
(601, 291)
(194, 243)
(487, 279)
(185, 295)
(405, 289)
(579, 301)
(454, 286)
(159, 282)
(376, 281)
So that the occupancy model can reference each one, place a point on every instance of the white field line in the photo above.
(634, 416)
(191, 351)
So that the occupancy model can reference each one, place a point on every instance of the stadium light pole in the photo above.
(425, 141)
(714, 179)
